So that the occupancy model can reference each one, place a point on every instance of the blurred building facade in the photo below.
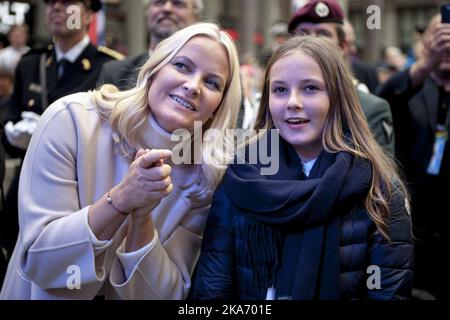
(399, 18)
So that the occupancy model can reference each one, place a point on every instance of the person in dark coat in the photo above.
(70, 64)
(6, 81)
(420, 99)
(332, 222)
(362, 71)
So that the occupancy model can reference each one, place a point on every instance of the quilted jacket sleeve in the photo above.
(392, 258)
(216, 266)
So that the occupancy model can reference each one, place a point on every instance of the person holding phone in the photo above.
(420, 99)
(104, 210)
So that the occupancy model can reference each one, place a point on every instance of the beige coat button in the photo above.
(31, 103)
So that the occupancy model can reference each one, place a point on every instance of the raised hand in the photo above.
(146, 183)
(436, 43)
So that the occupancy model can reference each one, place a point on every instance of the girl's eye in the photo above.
(311, 88)
(279, 90)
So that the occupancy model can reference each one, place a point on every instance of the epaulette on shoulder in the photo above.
(110, 52)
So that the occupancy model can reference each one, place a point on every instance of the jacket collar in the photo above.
(431, 102)
(72, 54)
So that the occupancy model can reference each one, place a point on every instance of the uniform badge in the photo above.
(86, 64)
(322, 10)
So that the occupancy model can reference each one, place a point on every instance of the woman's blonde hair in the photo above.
(345, 115)
(128, 111)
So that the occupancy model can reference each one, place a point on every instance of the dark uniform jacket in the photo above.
(79, 76)
(123, 74)
(378, 115)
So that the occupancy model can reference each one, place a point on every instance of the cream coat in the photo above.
(70, 164)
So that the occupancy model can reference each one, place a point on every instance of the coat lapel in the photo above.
(75, 77)
(431, 102)
(52, 72)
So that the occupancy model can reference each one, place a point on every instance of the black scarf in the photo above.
(295, 222)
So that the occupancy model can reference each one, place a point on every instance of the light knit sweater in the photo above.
(70, 164)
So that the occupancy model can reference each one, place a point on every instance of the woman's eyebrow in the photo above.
(279, 81)
(211, 74)
(185, 58)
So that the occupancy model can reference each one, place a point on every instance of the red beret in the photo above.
(317, 11)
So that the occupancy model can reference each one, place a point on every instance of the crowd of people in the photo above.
(358, 194)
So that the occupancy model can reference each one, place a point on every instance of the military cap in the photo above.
(317, 11)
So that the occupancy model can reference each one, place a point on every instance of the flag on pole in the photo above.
(97, 27)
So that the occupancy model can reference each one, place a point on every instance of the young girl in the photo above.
(332, 223)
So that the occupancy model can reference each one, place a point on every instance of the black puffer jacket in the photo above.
(224, 269)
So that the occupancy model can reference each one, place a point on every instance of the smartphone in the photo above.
(445, 13)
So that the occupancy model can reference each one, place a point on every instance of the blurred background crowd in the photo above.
(257, 25)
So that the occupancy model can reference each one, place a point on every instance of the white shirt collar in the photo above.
(307, 166)
(73, 54)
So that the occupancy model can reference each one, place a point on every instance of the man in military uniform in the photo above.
(325, 18)
(164, 17)
(71, 64)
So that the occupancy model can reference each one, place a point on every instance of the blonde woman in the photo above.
(103, 209)
(332, 223)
